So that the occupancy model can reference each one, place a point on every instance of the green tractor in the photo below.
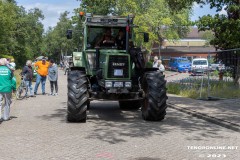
(111, 68)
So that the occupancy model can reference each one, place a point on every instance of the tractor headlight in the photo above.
(128, 84)
(108, 84)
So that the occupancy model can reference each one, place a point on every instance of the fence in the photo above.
(219, 82)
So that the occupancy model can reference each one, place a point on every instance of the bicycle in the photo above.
(21, 90)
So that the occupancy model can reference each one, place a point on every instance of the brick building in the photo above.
(192, 46)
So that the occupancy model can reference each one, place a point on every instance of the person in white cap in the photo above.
(7, 86)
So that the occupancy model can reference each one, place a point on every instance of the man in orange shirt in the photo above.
(42, 72)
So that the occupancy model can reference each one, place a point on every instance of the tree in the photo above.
(225, 28)
(55, 41)
(21, 31)
(152, 16)
(102, 7)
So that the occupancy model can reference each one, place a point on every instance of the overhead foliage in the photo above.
(21, 31)
(152, 16)
(101, 7)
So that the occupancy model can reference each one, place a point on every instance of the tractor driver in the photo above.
(121, 39)
(107, 40)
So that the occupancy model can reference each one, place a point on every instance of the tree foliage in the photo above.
(21, 31)
(152, 16)
(55, 41)
(101, 7)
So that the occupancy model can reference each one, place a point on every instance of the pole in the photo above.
(159, 51)
(127, 33)
(208, 77)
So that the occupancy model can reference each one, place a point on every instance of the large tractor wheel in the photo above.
(128, 105)
(154, 105)
(77, 96)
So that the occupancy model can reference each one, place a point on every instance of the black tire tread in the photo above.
(154, 87)
(77, 96)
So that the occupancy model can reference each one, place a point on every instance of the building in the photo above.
(192, 46)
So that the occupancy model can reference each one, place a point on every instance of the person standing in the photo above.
(155, 62)
(12, 64)
(61, 64)
(27, 74)
(7, 86)
(121, 40)
(53, 77)
(42, 72)
(161, 66)
(66, 64)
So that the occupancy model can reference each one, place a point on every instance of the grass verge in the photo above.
(220, 89)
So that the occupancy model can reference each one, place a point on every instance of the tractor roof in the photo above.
(108, 21)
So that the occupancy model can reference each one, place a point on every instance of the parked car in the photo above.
(217, 66)
(180, 64)
(199, 66)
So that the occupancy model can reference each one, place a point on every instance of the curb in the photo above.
(217, 121)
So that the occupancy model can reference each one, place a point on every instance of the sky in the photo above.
(53, 8)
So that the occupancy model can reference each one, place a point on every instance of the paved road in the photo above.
(38, 131)
(173, 76)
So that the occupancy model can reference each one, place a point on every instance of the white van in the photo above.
(199, 66)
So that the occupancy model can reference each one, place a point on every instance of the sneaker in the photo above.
(7, 119)
(56, 94)
(32, 96)
(35, 93)
(50, 94)
(43, 93)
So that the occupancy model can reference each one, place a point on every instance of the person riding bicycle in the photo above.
(27, 74)
(7, 86)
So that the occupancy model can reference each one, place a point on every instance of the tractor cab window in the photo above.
(106, 37)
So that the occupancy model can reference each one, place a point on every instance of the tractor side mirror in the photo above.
(146, 37)
(69, 34)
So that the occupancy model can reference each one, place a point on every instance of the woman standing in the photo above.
(53, 77)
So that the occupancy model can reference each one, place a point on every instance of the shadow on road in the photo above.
(106, 122)
(112, 125)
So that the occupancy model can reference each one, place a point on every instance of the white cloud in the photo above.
(195, 5)
(51, 12)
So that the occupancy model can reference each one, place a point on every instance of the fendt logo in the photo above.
(118, 64)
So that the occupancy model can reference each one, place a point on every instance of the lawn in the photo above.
(198, 88)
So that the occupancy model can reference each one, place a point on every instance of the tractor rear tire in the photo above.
(130, 105)
(77, 96)
(154, 105)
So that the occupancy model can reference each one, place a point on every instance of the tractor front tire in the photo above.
(154, 105)
(130, 105)
(77, 96)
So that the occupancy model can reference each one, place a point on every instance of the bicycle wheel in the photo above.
(20, 93)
